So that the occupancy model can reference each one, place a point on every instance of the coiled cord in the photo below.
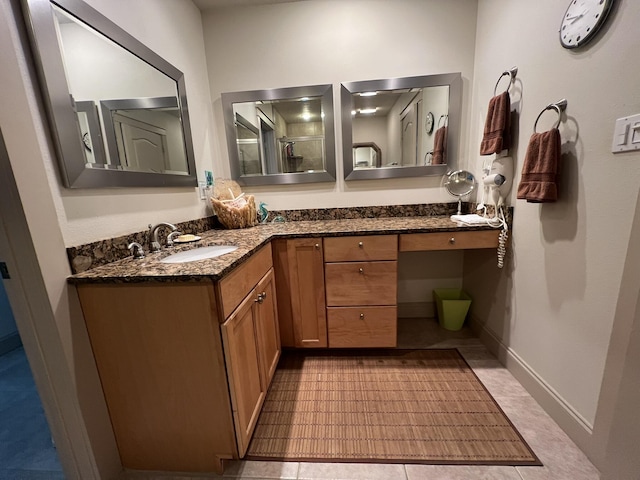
(502, 246)
(503, 237)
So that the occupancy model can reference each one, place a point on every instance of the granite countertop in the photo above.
(249, 240)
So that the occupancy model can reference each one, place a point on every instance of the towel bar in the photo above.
(559, 106)
(512, 72)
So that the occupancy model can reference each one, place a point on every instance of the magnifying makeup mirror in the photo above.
(459, 184)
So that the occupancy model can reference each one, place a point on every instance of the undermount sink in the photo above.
(199, 254)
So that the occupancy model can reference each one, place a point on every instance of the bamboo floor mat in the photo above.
(389, 406)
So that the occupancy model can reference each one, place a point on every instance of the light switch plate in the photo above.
(626, 136)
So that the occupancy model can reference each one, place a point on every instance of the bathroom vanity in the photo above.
(186, 352)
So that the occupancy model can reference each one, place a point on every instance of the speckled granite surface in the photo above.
(103, 252)
(249, 240)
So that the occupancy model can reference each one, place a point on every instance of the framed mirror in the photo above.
(413, 122)
(280, 136)
(118, 110)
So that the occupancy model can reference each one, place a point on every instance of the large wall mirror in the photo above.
(118, 110)
(401, 127)
(280, 136)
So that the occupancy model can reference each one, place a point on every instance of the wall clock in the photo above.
(582, 20)
(428, 123)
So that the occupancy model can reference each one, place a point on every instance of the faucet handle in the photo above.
(136, 250)
(171, 237)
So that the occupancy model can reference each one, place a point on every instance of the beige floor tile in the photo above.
(426, 333)
(261, 470)
(457, 472)
(500, 382)
(351, 471)
(139, 475)
(561, 457)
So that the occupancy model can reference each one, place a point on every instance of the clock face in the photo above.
(582, 20)
(428, 123)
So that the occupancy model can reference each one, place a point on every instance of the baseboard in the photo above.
(10, 342)
(416, 310)
(573, 424)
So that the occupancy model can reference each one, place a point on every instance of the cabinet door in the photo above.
(306, 274)
(243, 368)
(267, 329)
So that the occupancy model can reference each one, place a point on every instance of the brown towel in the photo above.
(497, 127)
(440, 147)
(539, 179)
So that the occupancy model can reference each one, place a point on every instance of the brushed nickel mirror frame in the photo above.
(323, 91)
(61, 107)
(453, 80)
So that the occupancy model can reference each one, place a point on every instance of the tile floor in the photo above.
(26, 449)
(561, 457)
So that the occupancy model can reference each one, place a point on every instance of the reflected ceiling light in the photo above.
(304, 99)
(368, 94)
(368, 111)
(306, 116)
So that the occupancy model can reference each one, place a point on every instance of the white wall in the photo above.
(333, 41)
(173, 30)
(553, 306)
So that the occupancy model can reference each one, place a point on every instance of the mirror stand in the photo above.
(460, 184)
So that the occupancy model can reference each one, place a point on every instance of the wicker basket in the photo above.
(236, 217)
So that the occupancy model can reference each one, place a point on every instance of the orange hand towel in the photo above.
(497, 127)
(539, 181)
(440, 147)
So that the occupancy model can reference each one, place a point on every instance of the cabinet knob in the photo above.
(452, 240)
(362, 316)
(317, 246)
(360, 244)
(361, 270)
(260, 297)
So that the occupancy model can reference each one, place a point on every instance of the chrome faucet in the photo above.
(153, 235)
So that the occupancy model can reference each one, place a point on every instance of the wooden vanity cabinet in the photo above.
(299, 269)
(185, 366)
(361, 276)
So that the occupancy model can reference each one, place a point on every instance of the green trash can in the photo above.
(452, 305)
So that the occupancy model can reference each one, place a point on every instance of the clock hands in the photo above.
(578, 16)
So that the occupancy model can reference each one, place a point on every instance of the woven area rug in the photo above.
(389, 406)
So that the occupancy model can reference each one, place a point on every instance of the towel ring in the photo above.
(559, 106)
(446, 120)
(512, 72)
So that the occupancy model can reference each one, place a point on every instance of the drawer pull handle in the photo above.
(362, 316)
(360, 244)
(452, 240)
(361, 270)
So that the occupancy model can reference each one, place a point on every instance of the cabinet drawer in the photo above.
(361, 283)
(413, 242)
(235, 286)
(361, 248)
(362, 327)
